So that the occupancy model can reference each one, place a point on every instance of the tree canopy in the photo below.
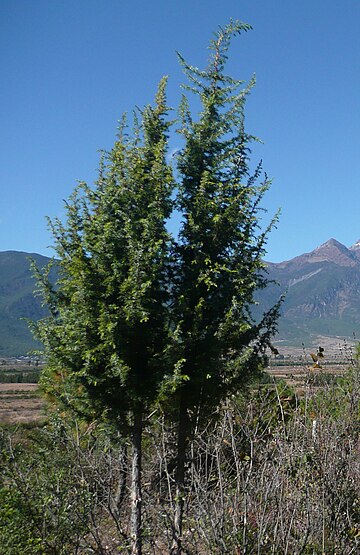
(108, 329)
(221, 243)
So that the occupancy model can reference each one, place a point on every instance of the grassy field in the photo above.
(20, 401)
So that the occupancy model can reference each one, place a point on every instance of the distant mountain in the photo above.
(17, 301)
(322, 292)
(322, 296)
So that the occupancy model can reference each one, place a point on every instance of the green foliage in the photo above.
(137, 313)
(44, 506)
(106, 337)
(346, 399)
(219, 255)
(16, 375)
(15, 536)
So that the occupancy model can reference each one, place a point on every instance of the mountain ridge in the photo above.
(332, 250)
(322, 295)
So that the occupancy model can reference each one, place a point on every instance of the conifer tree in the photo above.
(219, 254)
(105, 339)
(138, 316)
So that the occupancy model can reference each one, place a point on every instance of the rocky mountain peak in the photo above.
(332, 243)
(330, 251)
(333, 251)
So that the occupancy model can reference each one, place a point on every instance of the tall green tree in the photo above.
(219, 254)
(139, 316)
(107, 332)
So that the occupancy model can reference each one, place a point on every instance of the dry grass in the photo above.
(18, 387)
(299, 377)
(20, 403)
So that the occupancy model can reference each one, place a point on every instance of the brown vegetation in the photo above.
(271, 473)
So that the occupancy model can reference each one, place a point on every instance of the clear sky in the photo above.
(69, 69)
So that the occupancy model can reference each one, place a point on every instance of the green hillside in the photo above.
(17, 302)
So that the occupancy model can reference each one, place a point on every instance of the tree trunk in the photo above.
(136, 501)
(182, 443)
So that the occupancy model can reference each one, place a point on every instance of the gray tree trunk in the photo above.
(136, 500)
(180, 477)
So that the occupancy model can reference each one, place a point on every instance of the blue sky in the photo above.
(70, 69)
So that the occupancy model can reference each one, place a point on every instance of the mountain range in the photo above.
(322, 296)
(322, 293)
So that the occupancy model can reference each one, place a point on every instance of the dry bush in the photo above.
(269, 473)
(275, 475)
